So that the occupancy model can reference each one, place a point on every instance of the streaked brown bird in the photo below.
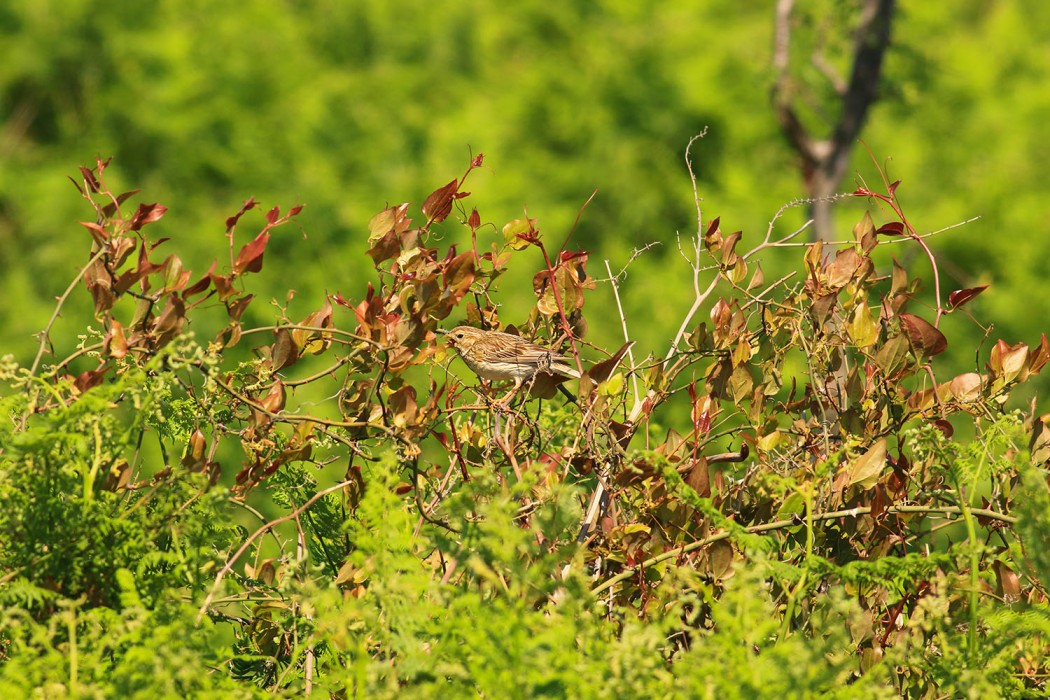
(501, 356)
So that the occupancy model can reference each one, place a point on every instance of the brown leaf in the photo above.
(386, 247)
(391, 219)
(713, 236)
(116, 343)
(821, 309)
(89, 179)
(864, 233)
(98, 233)
(235, 308)
(459, 275)
(147, 214)
(91, 378)
(841, 270)
(275, 397)
(1009, 583)
(699, 478)
(171, 320)
(402, 404)
(195, 450)
(316, 341)
(200, 285)
(923, 335)
(284, 352)
(604, 369)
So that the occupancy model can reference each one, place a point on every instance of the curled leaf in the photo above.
(963, 296)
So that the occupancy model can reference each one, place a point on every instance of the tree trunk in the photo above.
(825, 159)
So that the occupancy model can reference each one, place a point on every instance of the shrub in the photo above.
(826, 513)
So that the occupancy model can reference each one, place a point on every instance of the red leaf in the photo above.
(294, 211)
(474, 221)
(893, 228)
(91, 378)
(111, 208)
(200, 285)
(477, 160)
(924, 336)
(567, 255)
(89, 179)
(147, 214)
(232, 221)
(863, 192)
(963, 296)
(438, 204)
(100, 234)
(893, 187)
(273, 215)
(250, 259)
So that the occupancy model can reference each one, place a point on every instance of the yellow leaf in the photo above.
(862, 328)
(867, 468)
(613, 386)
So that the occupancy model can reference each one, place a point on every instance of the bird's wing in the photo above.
(523, 352)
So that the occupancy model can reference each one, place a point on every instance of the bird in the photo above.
(500, 356)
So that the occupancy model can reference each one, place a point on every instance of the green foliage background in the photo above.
(340, 104)
(121, 561)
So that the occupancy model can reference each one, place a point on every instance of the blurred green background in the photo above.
(349, 106)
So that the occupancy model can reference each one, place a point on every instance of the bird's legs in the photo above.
(505, 401)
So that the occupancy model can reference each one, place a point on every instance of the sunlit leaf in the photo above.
(863, 330)
(865, 470)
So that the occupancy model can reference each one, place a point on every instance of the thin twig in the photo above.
(623, 324)
(255, 535)
(45, 335)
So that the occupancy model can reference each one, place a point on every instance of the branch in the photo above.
(870, 43)
(791, 522)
